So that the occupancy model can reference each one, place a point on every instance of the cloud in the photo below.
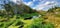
(41, 5)
(13, 0)
(34, 0)
(17, 1)
(29, 3)
(37, 0)
(46, 4)
(50, 3)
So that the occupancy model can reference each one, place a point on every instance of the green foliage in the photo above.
(38, 23)
(53, 9)
(29, 15)
(35, 23)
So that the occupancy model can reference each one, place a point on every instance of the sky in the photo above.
(42, 4)
(39, 4)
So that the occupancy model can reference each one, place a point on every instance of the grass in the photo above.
(21, 23)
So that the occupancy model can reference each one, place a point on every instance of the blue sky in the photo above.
(39, 4)
(42, 4)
